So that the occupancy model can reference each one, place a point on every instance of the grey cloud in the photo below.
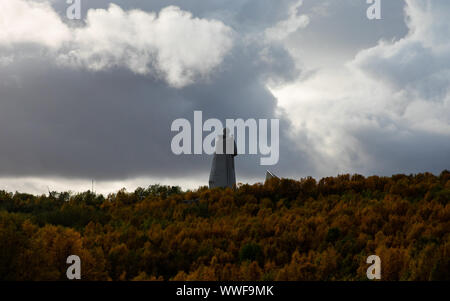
(386, 111)
(343, 27)
(171, 43)
(115, 124)
(403, 151)
(418, 64)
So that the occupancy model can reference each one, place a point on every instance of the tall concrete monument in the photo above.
(222, 169)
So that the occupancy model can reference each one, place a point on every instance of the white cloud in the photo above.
(428, 22)
(284, 28)
(388, 110)
(176, 44)
(420, 62)
(31, 22)
(172, 44)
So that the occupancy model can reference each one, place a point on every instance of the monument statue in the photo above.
(222, 169)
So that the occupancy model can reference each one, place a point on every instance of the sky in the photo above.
(94, 99)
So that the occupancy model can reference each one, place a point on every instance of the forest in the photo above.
(282, 230)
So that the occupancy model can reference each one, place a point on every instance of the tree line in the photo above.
(281, 230)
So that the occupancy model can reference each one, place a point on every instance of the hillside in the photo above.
(282, 230)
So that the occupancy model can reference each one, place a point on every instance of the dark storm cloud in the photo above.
(403, 151)
(115, 124)
(63, 121)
